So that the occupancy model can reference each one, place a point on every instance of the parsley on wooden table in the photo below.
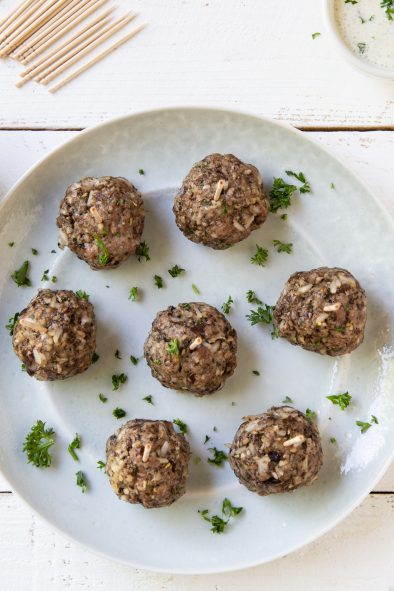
(133, 295)
(283, 246)
(119, 413)
(10, 326)
(252, 298)
(82, 295)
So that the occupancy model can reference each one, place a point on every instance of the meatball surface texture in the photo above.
(323, 310)
(101, 220)
(221, 201)
(191, 347)
(277, 451)
(55, 335)
(147, 463)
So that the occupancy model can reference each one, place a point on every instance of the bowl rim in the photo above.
(347, 53)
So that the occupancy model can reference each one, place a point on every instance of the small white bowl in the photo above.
(347, 53)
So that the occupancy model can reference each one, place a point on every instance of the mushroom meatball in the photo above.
(147, 463)
(191, 347)
(323, 310)
(55, 336)
(277, 451)
(221, 201)
(101, 220)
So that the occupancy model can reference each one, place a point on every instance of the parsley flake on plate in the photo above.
(100, 465)
(311, 415)
(37, 444)
(287, 400)
(133, 295)
(173, 347)
(181, 425)
(19, 276)
(226, 306)
(252, 298)
(148, 399)
(117, 380)
(280, 195)
(218, 523)
(75, 444)
(81, 481)
(260, 257)
(175, 271)
(102, 397)
(342, 400)
(142, 251)
(134, 360)
(218, 456)
(195, 289)
(283, 246)
(305, 187)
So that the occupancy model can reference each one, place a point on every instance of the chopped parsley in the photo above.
(260, 257)
(182, 426)
(305, 187)
(207, 438)
(100, 465)
(332, 186)
(175, 271)
(20, 275)
(148, 399)
(81, 481)
(173, 347)
(82, 295)
(117, 380)
(287, 400)
(102, 397)
(195, 289)
(133, 295)
(255, 372)
(351, 1)
(252, 298)
(37, 444)
(374, 420)
(214, 428)
(262, 314)
(141, 171)
(119, 413)
(218, 456)
(53, 251)
(134, 360)
(11, 244)
(314, 35)
(186, 306)
(218, 523)
(311, 415)
(75, 444)
(117, 354)
(361, 48)
(54, 279)
(142, 251)
(95, 357)
(280, 195)
(388, 5)
(10, 326)
(226, 307)
(284, 217)
(45, 276)
(342, 400)
(283, 246)
(158, 281)
(23, 367)
(333, 440)
(103, 257)
(363, 426)
(34, 251)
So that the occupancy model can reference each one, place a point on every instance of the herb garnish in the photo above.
(361, 48)
(388, 5)
(134, 360)
(82, 295)
(252, 298)
(280, 195)
(75, 444)
(226, 307)
(175, 271)
(117, 354)
(45, 276)
(332, 186)
(262, 314)
(283, 246)
(260, 257)
(333, 440)
(207, 438)
(95, 357)
(364, 426)
(287, 400)
(195, 289)
(133, 295)
(81, 481)
(182, 426)
(374, 420)
(306, 187)
(117, 380)
(10, 326)
(142, 251)
(173, 347)
(20, 275)
(119, 413)
(141, 171)
(219, 524)
(311, 415)
(11, 244)
(102, 258)
(158, 281)
(102, 397)
(100, 464)
(314, 35)
(255, 372)
(342, 400)
(148, 399)
(351, 1)
(54, 279)
(37, 444)
(34, 251)
(218, 456)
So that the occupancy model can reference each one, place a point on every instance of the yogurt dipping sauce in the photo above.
(367, 31)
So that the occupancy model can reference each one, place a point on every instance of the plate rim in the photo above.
(210, 569)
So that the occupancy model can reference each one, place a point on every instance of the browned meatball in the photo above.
(101, 220)
(323, 310)
(55, 336)
(277, 451)
(221, 201)
(191, 347)
(147, 463)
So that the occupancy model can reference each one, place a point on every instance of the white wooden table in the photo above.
(255, 55)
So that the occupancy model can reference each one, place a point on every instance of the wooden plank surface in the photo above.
(356, 555)
(248, 54)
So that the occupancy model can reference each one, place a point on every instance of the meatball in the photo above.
(323, 310)
(191, 347)
(277, 451)
(55, 336)
(101, 220)
(147, 463)
(221, 201)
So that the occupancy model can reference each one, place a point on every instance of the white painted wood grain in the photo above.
(254, 54)
(356, 555)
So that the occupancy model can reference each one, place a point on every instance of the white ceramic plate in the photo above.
(341, 226)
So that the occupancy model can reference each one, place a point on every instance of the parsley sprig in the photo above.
(305, 187)
(226, 306)
(181, 425)
(218, 456)
(219, 523)
(342, 400)
(260, 257)
(283, 246)
(175, 271)
(37, 444)
(10, 326)
(20, 275)
(118, 380)
(142, 251)
(75, 444)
